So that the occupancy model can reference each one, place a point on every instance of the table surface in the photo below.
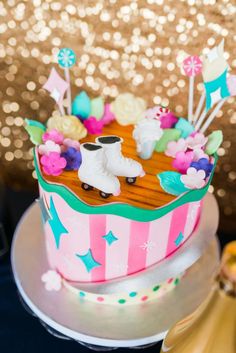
(19, 332)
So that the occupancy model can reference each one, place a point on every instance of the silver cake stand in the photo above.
(106, 327)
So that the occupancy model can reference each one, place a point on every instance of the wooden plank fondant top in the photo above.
(145, 193)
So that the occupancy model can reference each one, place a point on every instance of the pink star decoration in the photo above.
(56, 86)
(192, 66)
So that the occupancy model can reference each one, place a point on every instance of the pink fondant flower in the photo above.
(194, 179)
(53, 135)
(52, 280)
(168, 120)
(49, 146)
(173, 147)
(93, 125)
(192, 66)
(53, 163)
(70, 143)
(108, 116)
(182, 161)
(198, 153)
(196, 141)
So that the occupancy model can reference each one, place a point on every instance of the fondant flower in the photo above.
(128, 109)
(70, 143)
(68, 125)
(173, 147)
(52, 280)
(53, 163)
(93, 125)
(199, 153)
(73, 159)
(49, 146)
(194, 179)
(192, 65)
(168, 120)
(196, 141)
(203, 164)
(53, 135)
(108, 116)
(182, 161)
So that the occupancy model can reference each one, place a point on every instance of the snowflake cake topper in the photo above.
(66, 58)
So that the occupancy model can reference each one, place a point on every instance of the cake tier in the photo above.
(91, 239)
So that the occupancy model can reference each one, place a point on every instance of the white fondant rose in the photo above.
(128, 109)
(69, 125)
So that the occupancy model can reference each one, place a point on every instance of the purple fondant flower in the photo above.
(53, 163)
(203, 164)
(53, 135)
(70, 143)
(93, 125)
(182, 161)
(73, 158)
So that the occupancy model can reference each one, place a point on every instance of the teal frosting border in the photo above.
(121, 209)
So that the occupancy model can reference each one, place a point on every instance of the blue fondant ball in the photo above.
(81, 106)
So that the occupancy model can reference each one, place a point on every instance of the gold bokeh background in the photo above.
(120, 46)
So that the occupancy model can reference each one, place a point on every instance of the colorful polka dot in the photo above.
(100, 299)
(81, 294)
(121, 301)
(155, 288)
(133, 294)
(144, 298)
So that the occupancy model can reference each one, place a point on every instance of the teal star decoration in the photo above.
(57, 227)
(179, 239)
(88, 260)
(44, 210)
(110, 238)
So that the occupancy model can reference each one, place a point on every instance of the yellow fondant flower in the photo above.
(70, 126)
(128, 109)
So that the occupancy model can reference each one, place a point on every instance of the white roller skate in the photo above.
(117, 164)
(93, 173)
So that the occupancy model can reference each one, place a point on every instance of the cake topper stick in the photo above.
(57, 87)
(199, 107)
(201, 119)
(212, 115)
(66, 59)
(192, 66)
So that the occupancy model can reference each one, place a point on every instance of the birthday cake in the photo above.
(122, 186)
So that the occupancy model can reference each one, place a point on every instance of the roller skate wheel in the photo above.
(104, 195)
(86, 187)
(131, 180)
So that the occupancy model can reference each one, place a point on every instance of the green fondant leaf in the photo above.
(35, 123)
(171, 183)
(168, 135)
(35, 130)
(97, 108)
(214, 141)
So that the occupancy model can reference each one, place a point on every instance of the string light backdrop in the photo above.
(121, 46)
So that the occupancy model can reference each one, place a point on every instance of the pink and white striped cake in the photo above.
(99, 247)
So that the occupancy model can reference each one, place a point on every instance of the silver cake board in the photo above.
(99, 325)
